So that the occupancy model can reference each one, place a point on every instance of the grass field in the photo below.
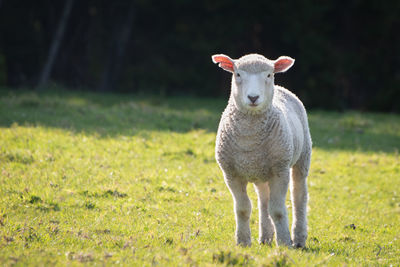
(131, 180)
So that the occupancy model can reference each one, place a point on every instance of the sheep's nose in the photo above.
(253, 99)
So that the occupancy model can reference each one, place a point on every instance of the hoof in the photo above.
(242, 243)
(243, 239)
(298, 245)
(265, 242)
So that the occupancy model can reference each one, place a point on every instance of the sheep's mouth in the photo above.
(253, 105)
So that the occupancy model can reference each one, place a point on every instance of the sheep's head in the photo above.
(253, 79)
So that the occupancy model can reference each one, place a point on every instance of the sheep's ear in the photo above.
(224, 61)
(283, 63)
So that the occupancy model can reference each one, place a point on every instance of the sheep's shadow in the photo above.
(107, 115)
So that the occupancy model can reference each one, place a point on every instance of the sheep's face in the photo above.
(252, 92)
(253, 79)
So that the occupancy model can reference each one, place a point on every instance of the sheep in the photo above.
(263, 138)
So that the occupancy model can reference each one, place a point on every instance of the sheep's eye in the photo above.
(237, 74)
(269, 75)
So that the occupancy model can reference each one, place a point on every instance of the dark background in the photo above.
(347, 52)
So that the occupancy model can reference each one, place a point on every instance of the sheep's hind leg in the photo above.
(278, 186)
(266, 226)
(299, 195)
(242, 205)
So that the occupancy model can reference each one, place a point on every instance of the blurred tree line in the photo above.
(347, 52)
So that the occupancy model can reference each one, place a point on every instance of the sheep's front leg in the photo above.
(266, 226)
(278, 186)
(242, 206)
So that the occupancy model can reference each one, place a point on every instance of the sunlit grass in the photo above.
(132, 180)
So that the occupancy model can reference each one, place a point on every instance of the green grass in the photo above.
(132, 180)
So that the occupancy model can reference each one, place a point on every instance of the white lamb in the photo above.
(263, 138)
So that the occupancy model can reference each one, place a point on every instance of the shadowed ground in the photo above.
(110, 115)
